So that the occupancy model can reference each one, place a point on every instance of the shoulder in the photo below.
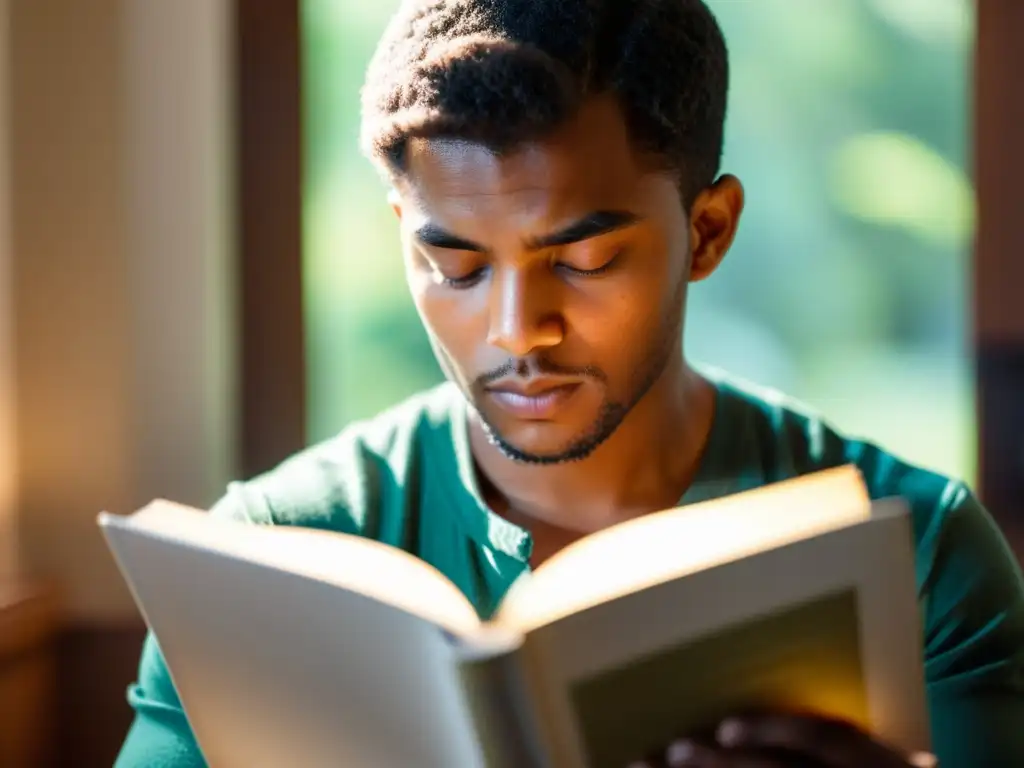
(969, 580)
(794, 439)
(338, 484)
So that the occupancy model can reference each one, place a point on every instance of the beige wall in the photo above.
(8, 470)
(121, 211)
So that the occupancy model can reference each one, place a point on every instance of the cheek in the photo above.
(450, 320)
(642, 305)
(629, 320)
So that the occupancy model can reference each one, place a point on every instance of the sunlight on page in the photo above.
(666, 545)
(360, 565)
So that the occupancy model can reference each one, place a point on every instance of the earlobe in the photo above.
(714, 219)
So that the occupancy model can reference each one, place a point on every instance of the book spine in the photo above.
(503, 712)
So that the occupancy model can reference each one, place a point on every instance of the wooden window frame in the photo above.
(269, 140)
(998, 262)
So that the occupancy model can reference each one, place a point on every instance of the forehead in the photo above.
(586, 164)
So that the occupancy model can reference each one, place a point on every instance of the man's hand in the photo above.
(784, 741)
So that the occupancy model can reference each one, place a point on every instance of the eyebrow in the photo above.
(433, 235)
(592, 225)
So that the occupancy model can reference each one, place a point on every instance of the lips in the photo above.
(537, 401)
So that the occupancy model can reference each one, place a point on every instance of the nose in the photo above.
(523, 317)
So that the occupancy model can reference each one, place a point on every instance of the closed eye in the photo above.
(470, 279)
(572, 270)
(463, 281)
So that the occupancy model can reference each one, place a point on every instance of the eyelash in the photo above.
(590, 272)
(468, 281)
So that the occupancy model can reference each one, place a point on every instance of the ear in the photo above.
(714, 219)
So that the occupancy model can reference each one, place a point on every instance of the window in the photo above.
(848, 284)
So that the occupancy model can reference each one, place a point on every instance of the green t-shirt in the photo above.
(406, 478)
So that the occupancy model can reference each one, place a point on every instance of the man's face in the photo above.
(551, 280)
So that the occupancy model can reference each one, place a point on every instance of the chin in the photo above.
(540, 442)
(531, 436)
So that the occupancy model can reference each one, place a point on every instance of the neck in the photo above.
(645, 466)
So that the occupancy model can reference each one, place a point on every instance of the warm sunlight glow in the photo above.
(657, 548)
(376, 570)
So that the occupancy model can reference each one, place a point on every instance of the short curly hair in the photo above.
(504, 72)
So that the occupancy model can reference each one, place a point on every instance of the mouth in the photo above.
(539, 400)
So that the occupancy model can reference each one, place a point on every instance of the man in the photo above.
(555, 173)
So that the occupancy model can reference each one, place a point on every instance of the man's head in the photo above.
(554, 165)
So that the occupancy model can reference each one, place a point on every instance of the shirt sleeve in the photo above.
(973, 607)
(160, 735)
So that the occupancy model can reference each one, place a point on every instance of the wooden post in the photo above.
(272, 370)
(999, 260)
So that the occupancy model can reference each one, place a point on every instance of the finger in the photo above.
(684, 754)
(692, 754)
(834, 743)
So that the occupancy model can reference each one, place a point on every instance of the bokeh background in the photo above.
(848, 284)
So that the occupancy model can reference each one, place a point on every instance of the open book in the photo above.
(297, 647)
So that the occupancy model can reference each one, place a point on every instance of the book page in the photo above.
(355, 563)
(275, 669)
(668, 545)
(805, 656)
(829, 624)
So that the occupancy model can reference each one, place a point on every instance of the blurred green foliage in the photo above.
(847, 285)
